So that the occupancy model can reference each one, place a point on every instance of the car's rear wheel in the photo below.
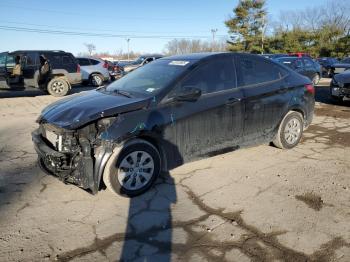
(96, 80)
(316, 79)
(58, 87)
(290, 131)
(134, 170)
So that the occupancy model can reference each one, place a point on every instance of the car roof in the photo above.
(39, 51)
(194, 56)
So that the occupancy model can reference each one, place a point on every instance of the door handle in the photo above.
(232, 101)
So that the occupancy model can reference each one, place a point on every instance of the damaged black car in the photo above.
(169, 112)
(340, 86)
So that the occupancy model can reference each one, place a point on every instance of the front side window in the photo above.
(3, 59)
(213, 76)
(253, 71)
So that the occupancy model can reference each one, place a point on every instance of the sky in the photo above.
(107, 24)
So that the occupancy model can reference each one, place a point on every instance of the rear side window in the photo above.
(94, 62)
(213, 76)
(54, 60)
(67, 60)
(31, 59)
(83, 61)
(253, 71)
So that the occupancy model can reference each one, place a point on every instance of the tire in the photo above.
(135, 181)
(290, 131)
(316, 79)
(96, 80)
(58, 87)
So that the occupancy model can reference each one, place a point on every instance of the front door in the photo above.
(213, 123)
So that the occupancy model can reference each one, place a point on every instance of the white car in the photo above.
(142, 60)
(94, 71)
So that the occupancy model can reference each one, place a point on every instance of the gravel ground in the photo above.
(253, 204)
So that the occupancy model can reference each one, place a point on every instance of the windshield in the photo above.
(151, 78)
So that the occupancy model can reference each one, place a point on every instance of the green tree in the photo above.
(247, 26)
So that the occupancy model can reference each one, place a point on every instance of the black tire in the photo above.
(280, 140)
(58, 87)
(111, 179)
(96, 80)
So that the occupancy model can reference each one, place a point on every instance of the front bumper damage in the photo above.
(73, 159)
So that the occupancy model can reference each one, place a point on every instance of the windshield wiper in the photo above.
(121, 92)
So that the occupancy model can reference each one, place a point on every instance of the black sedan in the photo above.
(304, 66)
(168, 112)
(340, 86)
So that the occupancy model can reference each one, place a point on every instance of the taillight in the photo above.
(310, 88)
(105, 65)
(78, 68)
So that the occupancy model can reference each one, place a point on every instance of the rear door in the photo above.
(265, 95)
(30, 67)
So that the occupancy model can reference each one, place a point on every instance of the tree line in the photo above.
(319, 31)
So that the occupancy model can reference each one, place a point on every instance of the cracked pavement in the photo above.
(253, 204)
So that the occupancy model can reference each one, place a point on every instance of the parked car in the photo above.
(171, 111)
(305, 66)
(340, 67)
(64, 73)
(94, 71)
(327, 63)
(142, 60)
(340, 86)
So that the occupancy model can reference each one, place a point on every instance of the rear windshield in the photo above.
(151, 78)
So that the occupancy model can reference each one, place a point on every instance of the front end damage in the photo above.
(74, 156)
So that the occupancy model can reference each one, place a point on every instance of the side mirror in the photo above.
(190, 94)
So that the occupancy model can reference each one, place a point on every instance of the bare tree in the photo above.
(184, 46)
(90, 47)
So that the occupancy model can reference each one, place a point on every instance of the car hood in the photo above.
(78, 110)
(343, 77)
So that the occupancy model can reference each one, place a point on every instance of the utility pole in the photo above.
(128, 41)
(213, 31)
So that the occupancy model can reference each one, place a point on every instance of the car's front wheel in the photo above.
(58, 87)
(133, 170)
(290, 131)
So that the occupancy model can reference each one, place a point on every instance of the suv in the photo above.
(94, 70)
(340, 67)
(64, 72)
(142, 60)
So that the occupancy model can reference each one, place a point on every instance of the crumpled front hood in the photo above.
(343, 77)
(78, 110)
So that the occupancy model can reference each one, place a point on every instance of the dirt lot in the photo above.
(254, 204)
